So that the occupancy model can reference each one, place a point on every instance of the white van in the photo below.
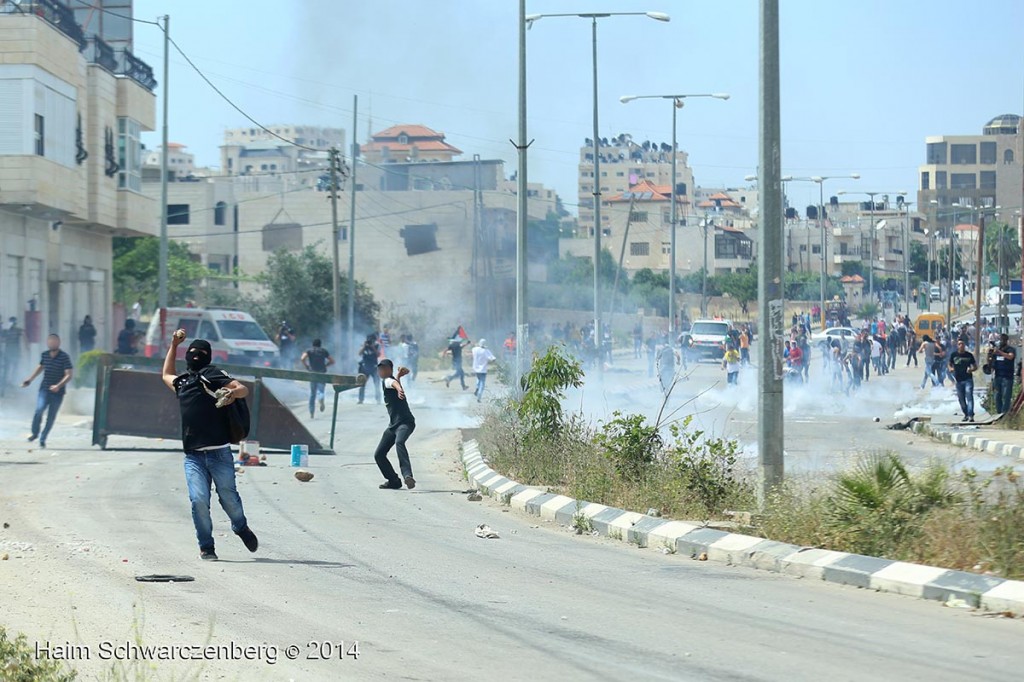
(709, 337)
(235, 337)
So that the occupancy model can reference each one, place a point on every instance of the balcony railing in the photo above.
(56, 13)
(136, 69)
(98, 52)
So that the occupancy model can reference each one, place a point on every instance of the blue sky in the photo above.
(864, 81)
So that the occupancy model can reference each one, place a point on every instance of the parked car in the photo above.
(935, 292)
(842, 333)
(234, 335)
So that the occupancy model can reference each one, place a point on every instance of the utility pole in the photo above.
(951, 271)
(162, 277)
(824, 246)
(978, 285)
(334, 156)
(704, 279)
(771, 305)
(522, 213)
(906, 256)
(597, 214)
(351, 237)
(672, 331)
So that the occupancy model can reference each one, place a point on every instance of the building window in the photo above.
(988, 153)
(963, 154)
(639, 249)
(987, 180)
(963, 181)
(40, 135)
(940, 179)
(816, 248)
(177, 214)
(638, 217)
(924, 180)
(129, 155)
(1008, 156)
(403, 139)
(936, 153)
(666, 248)
(219, 213)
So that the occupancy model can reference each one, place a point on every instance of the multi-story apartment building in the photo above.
(72, 107)
(450, 221)
(254, 151)
(625, 163)
(180, 163)
(972, 170)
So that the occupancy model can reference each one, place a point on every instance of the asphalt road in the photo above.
(403, 574)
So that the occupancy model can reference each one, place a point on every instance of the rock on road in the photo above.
(403, 574)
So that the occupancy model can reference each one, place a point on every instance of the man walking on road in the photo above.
(400, 427)
(1004, 361)
(368, 356)
(963, 364)
(206, 440)
(316, 359)
(56, 368)
(482, 357)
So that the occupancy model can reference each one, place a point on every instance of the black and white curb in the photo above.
(970, 440)
(690, 539)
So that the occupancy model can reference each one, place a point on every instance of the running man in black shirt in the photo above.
(316, 359)
(963, 364)
(56, 368)
(399, 429)
(206, 440)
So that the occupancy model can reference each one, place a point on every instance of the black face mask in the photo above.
(195, 361)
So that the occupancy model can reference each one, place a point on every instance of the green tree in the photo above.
(741, 286)
(919, 260)
(1002, 250)
(853, 267)
(543, 238)
(299, 289)
(136, 271)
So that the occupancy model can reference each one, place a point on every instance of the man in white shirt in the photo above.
(482, 357)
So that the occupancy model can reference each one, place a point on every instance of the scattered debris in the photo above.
(6, 525)
(4, 556)
(656, 513)
(304, 476)
(956, 603)
(484, 531)
(474, 497)
(877, 419)
(703, 556)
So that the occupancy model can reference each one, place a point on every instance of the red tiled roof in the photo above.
(643, 188)
(966, 227)
(723, 203)
(421, 145)
(852, 279)
(413, 130)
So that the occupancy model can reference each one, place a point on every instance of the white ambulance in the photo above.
(234, 335)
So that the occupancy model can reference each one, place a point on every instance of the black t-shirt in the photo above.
(54, 367)
(412, 352)
(368, 358)
(1003, 367)
(126, 342)
(203, 425)
(455, 347)
(960, 362)
(398, 409)
(317, 359)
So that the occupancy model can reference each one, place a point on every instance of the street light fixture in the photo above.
(529, 20)
(820, 180)
(677, 103)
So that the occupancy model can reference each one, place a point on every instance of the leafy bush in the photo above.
(85, 370)
(18, 663)
(707, 468)
(543, 389)
(631, 443)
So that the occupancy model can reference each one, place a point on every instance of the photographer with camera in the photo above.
(1002, 359)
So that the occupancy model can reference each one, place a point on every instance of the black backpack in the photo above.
(236, 414)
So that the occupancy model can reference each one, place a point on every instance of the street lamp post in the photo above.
(820, 180)
(594, 16)
(677, 103)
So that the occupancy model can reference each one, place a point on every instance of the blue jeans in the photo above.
(45, 402)
(315, 390)
(481, 381)
(965, 393)
(203, 467)
(1003, 389)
